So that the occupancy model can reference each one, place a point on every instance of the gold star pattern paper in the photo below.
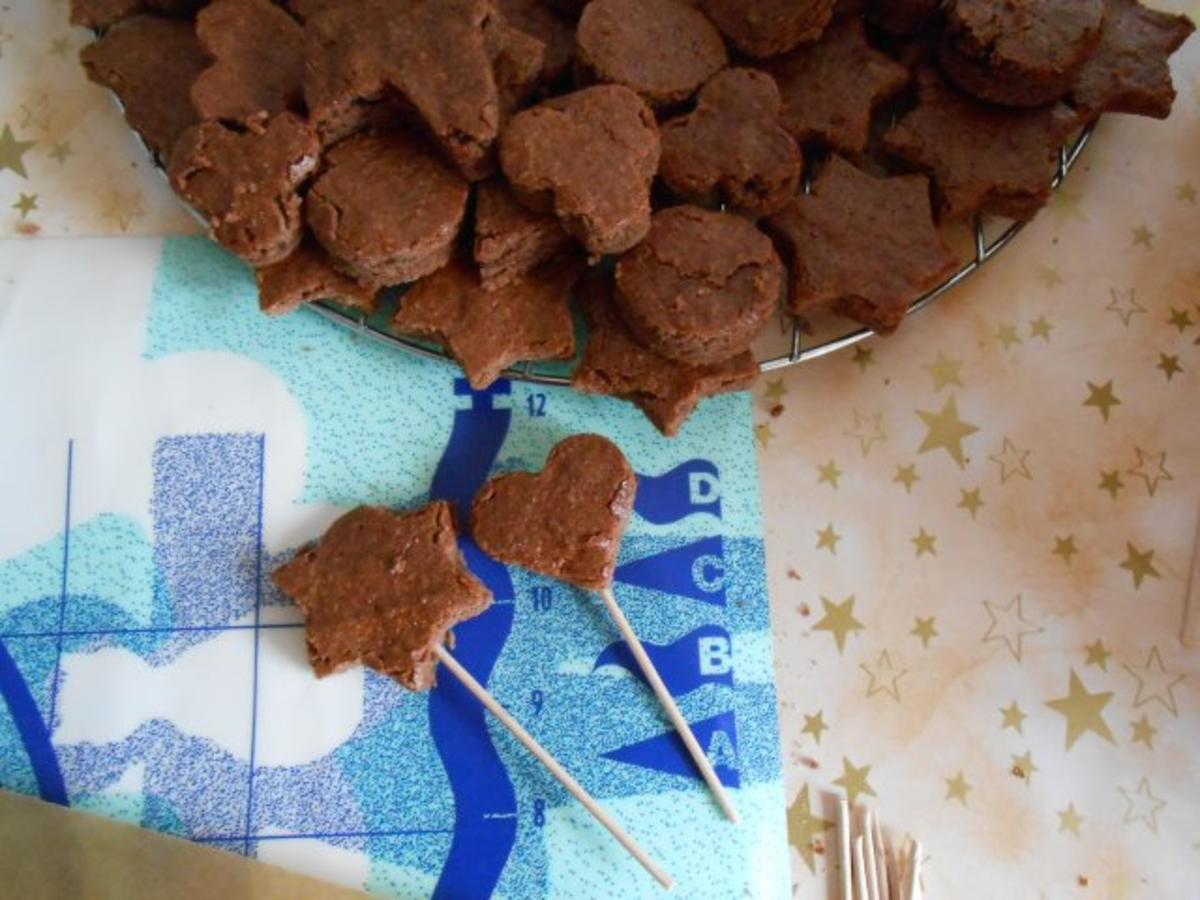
(804, 828)
(957, 788)
(60, 151)
(864, 357)
(907, 476)
(1065, 547)
(1009, 626)
(1023, 766)
(1006, 336)
(1012, 461)
(854, 780)
(1142, 237)
(1102, 397)
(1111, 482)
(1180, 319)
(946, 371)
(1083, 711)
(1155, 683)
(827, 539)
(925, 543)
(1069, 820)
(1139, 564)
(970, 500)
(1186, 193)
(946, 431)
(12, 152)
(1124, 304)
(1066, 203)
(1012, 717)
(60, 46)
(26, 203)
(829, 474)
(1049, 276)
(925, 629)
(815, 725)
(1151, 468)
(1097, 654)
(1169, 364)
(1143, 732)
(1141, 805)
(775, 390)
(839, 621)
(121, 208)
(1041, 328)
(868, 430)
(883, 676)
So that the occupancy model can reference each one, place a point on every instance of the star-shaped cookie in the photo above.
(864, 246)
(308, 274)
(383, 589)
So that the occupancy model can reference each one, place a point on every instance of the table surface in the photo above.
(979, 531)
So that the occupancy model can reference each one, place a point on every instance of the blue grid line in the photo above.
(163, 629)
(318, 835)
(62, 600)
(262, 447)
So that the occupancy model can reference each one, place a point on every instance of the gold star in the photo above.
(957, 788)
(854, 780)
(1154, 682)
(1041, 327)
(1124, 304)
(815, 725)
(804, 828)
(1084, 712)
(1007, 336)
(829, 474)
(121, 208)
(1013, 718)
(971, 501)
(1023, 767)
(1097, 655)
(839, 620)
(863, 357)
(1180, 319)
(1142, 805)
(1065, 547)
(1066, 202)
(867, 438)
(1143, 732)
(775, 390)
(763, 432)
(946, 430)
(1186, 193)
(61, 151)
(60, 47)
(827, 539)
(26, 204)
(925, 629)
(11, 151)
(1102, 397)
(883, 677)
(945, 371)
(924, 543)
(1111, 482)
(1169, 365)
(1010, 626)
(1049, 276)
(1142, 469)
(1011, 461)
(1069, 820)
(1140, 565)
(907, 476)
(1144, 236)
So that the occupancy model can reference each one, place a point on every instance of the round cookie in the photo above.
(701, 285)
(1019, 52)
(662, 49)
(768, 27)
(386, 208)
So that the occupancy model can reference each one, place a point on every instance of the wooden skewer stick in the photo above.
(883, 860)
(1190, 636)
(869, 856)
(860, 870)
(699, 757)
(914, 872)
(543, 756)
(844, 847)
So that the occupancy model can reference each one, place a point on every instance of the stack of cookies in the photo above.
(644, 157)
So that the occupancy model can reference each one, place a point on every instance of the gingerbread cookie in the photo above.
(102, 13)
(150, 63)
(614, 363)
(557, 35)
(954, 138)
(903, 17)
(516, 62)
(662, 49)
(700, 287)
(1129, 73)
(246, 184)
(567, 520)
(831, 87)
(1019, 52)
(308, 274)
(511, 240)
(865, 247)
(589, 157)
(386, 208)
(258, 61)
(731, 148)
(488, 331)
(383, 589)
(769, 27)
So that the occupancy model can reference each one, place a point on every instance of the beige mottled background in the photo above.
(979, 530)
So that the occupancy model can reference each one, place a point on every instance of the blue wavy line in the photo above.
(32, 729)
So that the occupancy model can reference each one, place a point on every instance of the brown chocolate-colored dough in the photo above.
(102, 13)
(769, 27)
(150, 63)
(1129, 73)
(1019, 52)
(305, 275)
(386, 208)
(510, 239)
(488, 331)
(258, 61)
(731, 148)
(589, 156)
(383, 589)
(537, 19)
(245, 184)
(662, 49)
(862, 246)
(701, 286)
(903, 17)
(983, 157)
(565, 521)
(831, 87)
(614, 363)
(516, 62)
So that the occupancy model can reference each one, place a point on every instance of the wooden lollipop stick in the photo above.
(914, 872)
(860, 870)
(844, 847)
(1190, 635)
(699, 757)
(869, 856)
(556, 769)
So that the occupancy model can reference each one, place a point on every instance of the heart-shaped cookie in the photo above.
(565, 521)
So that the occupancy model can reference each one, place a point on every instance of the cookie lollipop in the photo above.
(384, 589)
(566, 522)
